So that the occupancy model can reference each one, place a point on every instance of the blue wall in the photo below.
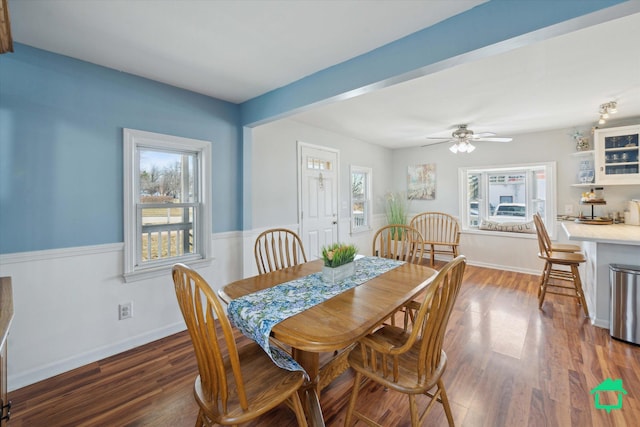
(61, 124)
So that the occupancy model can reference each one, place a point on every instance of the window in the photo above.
(507, 194)
(360, 199)
(166, 208)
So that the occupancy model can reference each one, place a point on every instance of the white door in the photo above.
(318, 197)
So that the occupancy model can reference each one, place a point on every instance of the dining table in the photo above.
(334, 325)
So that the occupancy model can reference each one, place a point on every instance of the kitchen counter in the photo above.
(603, 245)
(619, 234)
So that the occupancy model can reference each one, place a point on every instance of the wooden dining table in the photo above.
(337, 323)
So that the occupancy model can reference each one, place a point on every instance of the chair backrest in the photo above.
(399, 241)
(278, 248)
(437, 227)
(201, 310)
(432, 318)
(544, 241)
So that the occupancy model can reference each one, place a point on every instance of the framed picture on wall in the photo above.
(421, 182)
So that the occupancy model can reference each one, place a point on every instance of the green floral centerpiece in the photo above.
(338, 262)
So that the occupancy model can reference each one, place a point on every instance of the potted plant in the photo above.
(397, 209)
(338, 262)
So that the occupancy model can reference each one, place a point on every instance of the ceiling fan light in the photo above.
(470, 147)
(462, 147)
(454, 148)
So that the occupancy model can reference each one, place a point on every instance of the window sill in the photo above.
(499, 233)
(361, 230)
(162, 270)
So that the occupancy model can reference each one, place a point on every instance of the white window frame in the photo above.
(549, 216)
(132, 141)
(368, 172)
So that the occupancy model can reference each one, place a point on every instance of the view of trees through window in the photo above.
(167, 191)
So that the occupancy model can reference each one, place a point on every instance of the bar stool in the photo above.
(553, 260)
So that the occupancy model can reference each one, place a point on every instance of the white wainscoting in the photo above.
(66, 306)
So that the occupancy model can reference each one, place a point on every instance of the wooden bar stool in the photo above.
(559, 266)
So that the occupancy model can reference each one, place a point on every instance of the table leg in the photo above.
(309, 394)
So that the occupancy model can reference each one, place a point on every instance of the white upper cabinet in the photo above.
(617, 155)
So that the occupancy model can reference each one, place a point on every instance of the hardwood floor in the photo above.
(509, 365)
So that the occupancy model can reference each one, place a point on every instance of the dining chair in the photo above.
(404, 243)
(555, 247)
(558, 267)
(411, 362)
(235, 384)
(398, 241)
(441, 233)
(278, 248)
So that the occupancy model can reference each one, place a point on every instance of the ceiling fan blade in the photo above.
(482, 135)
(448, 138)
(436, 143)
(495, 139)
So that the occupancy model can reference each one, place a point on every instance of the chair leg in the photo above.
(578, 284)
(445, 402)
(200, 421)
(413, 409)
(352, 401)
(543, 284)
(299, 411)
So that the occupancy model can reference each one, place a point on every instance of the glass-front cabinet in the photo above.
(617, 155)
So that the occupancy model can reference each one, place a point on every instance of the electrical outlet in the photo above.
(125, 310)
(568, 209)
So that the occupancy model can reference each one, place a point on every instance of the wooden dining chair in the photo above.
(236, 384)
(411, 362)
(441, 233)
(398, 241)
(555, 247)
(278, 248)
(558, 267)
(404, 243)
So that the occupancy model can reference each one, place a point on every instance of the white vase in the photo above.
(335, 274)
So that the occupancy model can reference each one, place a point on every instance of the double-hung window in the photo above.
(167, 212)
(360, 198)
(507, 194)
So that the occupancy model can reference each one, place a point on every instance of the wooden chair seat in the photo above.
(565, 247)
(264, 383)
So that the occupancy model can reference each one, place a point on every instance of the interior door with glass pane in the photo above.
(318, 188)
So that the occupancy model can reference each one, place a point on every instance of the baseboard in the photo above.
(59, 367)
(503, 267)
(601, 323)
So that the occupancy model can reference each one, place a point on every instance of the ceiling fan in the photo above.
(462, 138)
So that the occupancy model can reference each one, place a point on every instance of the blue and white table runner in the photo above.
(256, 314)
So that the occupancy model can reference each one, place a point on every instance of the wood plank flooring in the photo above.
(509, 365)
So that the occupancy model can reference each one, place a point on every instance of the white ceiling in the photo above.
(237, 50)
